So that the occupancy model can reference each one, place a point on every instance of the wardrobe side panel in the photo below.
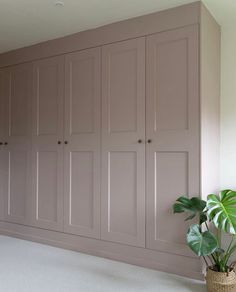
(210, 103)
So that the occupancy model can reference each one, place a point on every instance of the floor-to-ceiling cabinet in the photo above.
(47, 143)
(123, 142)
(2, 130)
(17, 143)
(172, 131)
(97, 142)
(82, 127)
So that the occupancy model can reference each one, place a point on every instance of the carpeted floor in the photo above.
(32, 267)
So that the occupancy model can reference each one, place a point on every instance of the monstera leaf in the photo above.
(201, 243)
(194, 206)
(222, 210)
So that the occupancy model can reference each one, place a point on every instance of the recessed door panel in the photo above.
(48, 96)
(82, 148)
(123, 142)
(47, 148)
(171, 91)
(171, 177)
(18, 105)
(18, 112)
(3, 85)
(81, 189)
(122, 97)
(82, 95)
(172, 128)
(122, 188)
(17, 184)
(2, 176)
(47, 185)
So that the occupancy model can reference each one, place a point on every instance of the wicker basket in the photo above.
(220, 282)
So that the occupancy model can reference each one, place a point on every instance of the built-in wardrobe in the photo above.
(101, 131)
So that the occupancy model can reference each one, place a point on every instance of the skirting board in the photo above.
(170, 263)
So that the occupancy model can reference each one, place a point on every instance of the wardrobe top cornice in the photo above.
(132, 28)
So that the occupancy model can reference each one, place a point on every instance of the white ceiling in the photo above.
(26, 22)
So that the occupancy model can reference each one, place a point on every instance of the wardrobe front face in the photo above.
(100, 142)
(151, 156)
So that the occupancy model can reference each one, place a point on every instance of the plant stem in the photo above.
(215, 260)
(228, 249)
(218, 236)
(206, 226)
(231, 242)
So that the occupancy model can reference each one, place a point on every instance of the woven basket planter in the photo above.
(220, 282)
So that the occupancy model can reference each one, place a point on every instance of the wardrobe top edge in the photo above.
(185, 15)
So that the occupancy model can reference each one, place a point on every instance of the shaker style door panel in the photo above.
(82, 143)
(3, 85)
(17, 143)
(123, 142)
(47, 147)
(2, 137)
(173, 130)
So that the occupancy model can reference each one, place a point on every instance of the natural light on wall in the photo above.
(228, 107)
(224, 12)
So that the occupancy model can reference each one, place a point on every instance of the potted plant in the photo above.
(219, 211)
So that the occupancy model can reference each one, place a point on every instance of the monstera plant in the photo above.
(218, 211)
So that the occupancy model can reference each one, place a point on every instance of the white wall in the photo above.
(228, 107)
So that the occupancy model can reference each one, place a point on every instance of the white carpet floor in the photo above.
(33, 267)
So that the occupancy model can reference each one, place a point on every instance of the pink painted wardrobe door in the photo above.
(2, 103)
(2, 137)
(123, 155)
(173, 128)
(47, 154)
(82, 148)
(17, 151)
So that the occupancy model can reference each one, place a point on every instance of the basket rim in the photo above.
(220, 273)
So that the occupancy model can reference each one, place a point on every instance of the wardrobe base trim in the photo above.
(170, 263)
